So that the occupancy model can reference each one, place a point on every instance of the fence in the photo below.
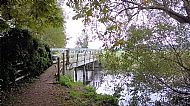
(15, 75)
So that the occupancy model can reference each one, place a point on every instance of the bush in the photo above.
(66, 81)
(19, 51)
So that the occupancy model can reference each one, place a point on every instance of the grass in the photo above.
(82, 95)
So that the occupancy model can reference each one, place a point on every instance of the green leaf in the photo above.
(89, 12)
(105, 10)
(112, 27)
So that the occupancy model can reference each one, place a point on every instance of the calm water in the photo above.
(110, 84)
(124, 86)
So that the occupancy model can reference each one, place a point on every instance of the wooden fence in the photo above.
(17, 75)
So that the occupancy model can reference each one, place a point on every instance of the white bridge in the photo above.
(77, 57)
(71, 58)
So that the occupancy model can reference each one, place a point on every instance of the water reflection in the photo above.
(130, 92)
(80, 75)
(94, 77)
(128, 95)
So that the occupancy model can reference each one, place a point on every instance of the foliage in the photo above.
(156, 62)
(82, 41)
(111, 61)
(31, 13)
(86, 95)
(54, 36)
(89, 97)
(38, 16)
(154, 35)
(126, 10)
(118, 16)
(19, 51)
(66, 81)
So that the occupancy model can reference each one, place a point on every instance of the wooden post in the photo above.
(75, 74)
(89, 56)
(84, 69)
(76, 67)
(93, 62)
(58, 74)
(86, 75)
(77, 59)
(67, 58)
(63, 63)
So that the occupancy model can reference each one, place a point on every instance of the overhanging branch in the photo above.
(179, 17)
(170, 87)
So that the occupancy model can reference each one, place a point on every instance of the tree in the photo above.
(153, 33)
(118, 15)
(83, 40)
(177, 9)
(54, 36)
(34, 15)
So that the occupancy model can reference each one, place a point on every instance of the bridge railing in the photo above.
(71, 55)
(75, 57)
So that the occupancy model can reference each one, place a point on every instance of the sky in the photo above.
(74, 30)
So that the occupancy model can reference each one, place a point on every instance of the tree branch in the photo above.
(179, 17)
(173, 89)
(186, 4)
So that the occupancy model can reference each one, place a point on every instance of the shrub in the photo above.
(66, 81)
(19, 51)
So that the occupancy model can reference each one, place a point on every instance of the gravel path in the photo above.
(42, 92)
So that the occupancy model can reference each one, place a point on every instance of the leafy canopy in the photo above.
(35, 15)
(154, 35)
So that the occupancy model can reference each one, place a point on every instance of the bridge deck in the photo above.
(76, 57)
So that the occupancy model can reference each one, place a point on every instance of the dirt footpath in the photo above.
(42, 92)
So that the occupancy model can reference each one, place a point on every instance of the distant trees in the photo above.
(82, 41)
(54, 37)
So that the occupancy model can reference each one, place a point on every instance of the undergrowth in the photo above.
(82, 95)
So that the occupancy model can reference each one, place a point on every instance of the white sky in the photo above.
(74, 30)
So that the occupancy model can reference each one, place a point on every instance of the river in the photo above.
(125, 87)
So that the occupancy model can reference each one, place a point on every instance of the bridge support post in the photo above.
(84, 69)
(87, 68)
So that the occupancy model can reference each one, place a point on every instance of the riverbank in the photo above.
(86, 95)
(43, 91)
